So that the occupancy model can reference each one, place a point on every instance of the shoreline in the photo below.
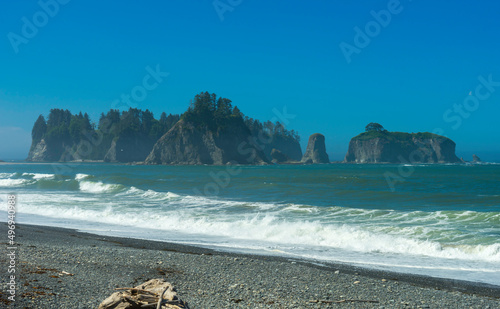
(288, 163)
(206, 276)
(471, 287)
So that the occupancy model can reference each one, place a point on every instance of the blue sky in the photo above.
(412, 66)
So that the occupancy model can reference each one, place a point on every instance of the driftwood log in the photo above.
(154, 294)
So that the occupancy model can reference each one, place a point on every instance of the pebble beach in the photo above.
(62, 268)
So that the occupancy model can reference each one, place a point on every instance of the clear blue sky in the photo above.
(422, 58)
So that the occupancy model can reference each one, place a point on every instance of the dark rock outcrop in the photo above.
(129, 149)
(278, 156)
(316, 150)
(187, 144)
(476, 159)
(397, 147)
(288, 146)
(269, 136)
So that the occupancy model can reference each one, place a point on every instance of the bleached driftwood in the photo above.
(156, 293)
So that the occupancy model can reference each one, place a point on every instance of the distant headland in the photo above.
(213, 132)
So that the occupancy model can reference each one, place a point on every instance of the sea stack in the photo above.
(382, 146)
(476, 159)
(316, 150)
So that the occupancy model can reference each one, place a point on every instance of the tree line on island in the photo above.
(68, 137)
(377, 145)
(213, 131)
(129, 136)
(216, 114)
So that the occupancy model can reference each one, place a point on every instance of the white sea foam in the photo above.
(149, 194)
(98, 187)
(277, 228)
(38, 176)
(14, 182)
(369, 236)
(301, 208)
(159, 195)
(6, 175)
(131, 191)
(81, 176)
(413, 239)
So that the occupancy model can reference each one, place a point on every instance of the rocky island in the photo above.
(377, 145)
(120, 137)
(316, 150)
(211, 131)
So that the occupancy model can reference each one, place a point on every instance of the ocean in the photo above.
(435, 220)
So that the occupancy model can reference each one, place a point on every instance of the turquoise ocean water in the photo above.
(437, 220)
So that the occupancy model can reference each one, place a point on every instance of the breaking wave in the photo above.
(460, 238)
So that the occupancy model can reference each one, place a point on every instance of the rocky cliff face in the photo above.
(129, 149)
(396, 147)
(54, 151)
(186, 144)
(316, 150)
(120, 149)
(288, 146)
(38, 152)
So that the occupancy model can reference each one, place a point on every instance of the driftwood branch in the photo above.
(137, 290)
(161, 297)
(155, 293)
(169, 303)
